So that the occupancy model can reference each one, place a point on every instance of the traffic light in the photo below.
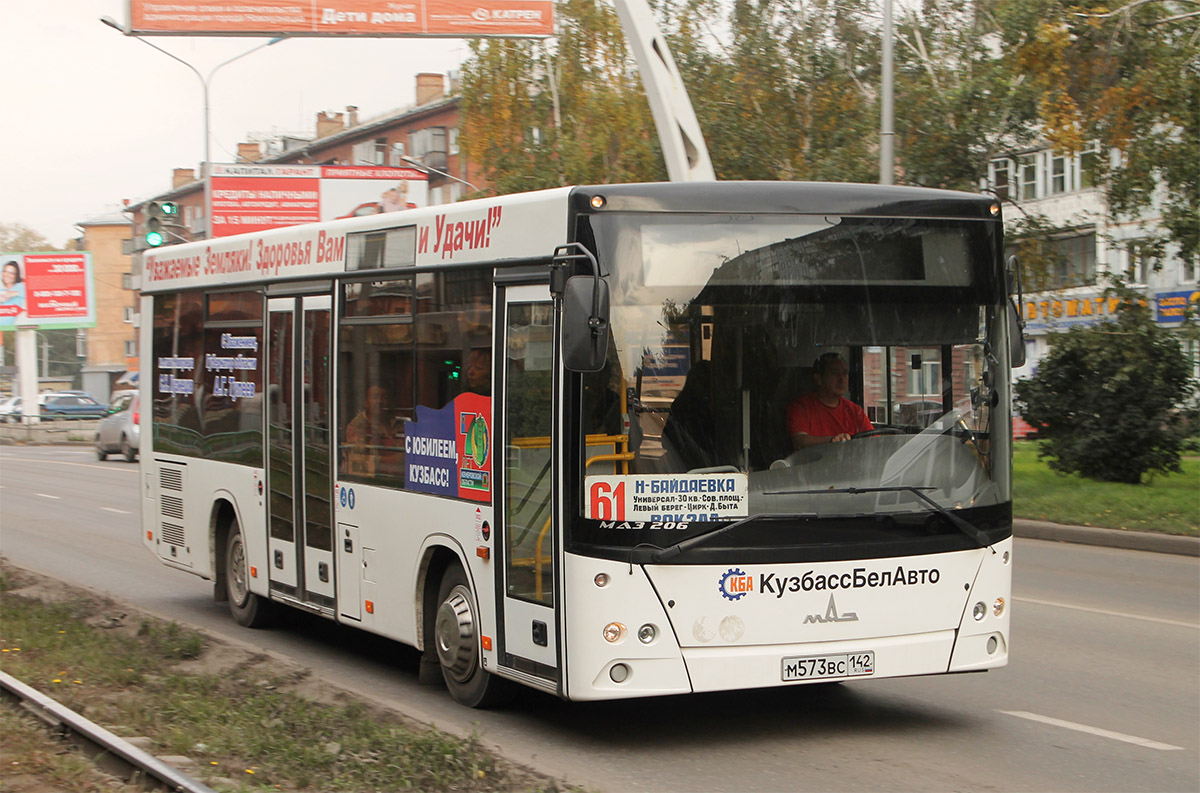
(160, 215)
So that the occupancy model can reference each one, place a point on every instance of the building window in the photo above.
(127, 314)
(924, 373)
(371, 152)
(1075, 262)
(453, 140)
(1058, 175)
(396, 155)
(81, 343)
(1027, 171)
(429, 146)
(1089, 162)
(131, 348)
(1140, 261)
(1000, 178)
(127, 280)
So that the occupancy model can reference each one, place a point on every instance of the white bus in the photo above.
(544, 438)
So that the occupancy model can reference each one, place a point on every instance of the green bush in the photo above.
(1106, 397)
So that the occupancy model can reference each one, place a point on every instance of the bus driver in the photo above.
(823, 415)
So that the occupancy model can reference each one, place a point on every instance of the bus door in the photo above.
(299, 511)
(526, 496)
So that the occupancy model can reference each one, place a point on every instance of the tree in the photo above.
(1128, 77)
(570, 112)
(18, 238)
(1106, 398)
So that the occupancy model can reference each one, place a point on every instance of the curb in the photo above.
(1109, 538)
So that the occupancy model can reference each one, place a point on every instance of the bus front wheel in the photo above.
(248, 609)
(456, 638)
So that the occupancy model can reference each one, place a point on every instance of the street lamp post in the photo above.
(204, 81)
(423, 167)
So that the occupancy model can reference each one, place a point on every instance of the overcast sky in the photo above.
(92, 117)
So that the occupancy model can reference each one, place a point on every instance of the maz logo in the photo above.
(831, 615)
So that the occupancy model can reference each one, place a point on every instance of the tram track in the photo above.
(110, 752)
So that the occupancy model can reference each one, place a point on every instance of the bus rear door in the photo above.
(299, 511)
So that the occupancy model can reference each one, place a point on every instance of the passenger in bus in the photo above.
(479, 371)
(823, 415)
(372, 445)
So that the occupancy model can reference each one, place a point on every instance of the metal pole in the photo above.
(886, 131)
(203, 80)
(423, 167)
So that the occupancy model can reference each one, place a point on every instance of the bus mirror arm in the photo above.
(584, 315)
(1016, 322)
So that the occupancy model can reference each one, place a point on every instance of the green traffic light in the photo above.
(169, 208)
(155, 238)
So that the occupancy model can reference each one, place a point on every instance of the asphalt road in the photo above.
(1102, 693)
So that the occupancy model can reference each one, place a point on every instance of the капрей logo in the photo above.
(735, 584)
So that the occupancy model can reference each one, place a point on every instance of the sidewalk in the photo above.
(1109, 538)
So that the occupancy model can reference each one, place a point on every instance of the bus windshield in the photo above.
(711, 408)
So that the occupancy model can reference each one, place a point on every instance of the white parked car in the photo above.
(10, 409)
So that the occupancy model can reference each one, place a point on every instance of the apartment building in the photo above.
(108, 350)
(1091, 243)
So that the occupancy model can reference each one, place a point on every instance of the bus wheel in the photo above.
(247, 608)
(456, 637)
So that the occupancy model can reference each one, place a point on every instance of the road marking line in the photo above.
(1116, 736)
(118, 511)
(16, 459)
(1109, 613)
(47, 495)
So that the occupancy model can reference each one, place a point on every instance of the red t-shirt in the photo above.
(811, 416)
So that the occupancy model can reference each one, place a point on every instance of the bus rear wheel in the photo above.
(248, 609)
(456, 639)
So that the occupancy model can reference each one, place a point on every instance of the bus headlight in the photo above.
(979, 611)
(614, 632)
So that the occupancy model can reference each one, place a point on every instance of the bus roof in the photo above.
(522, 226)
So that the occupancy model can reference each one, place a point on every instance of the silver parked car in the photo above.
(119, 430)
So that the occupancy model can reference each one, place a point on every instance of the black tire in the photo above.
(127, 450)
(456, 640)
(101, 455)
(248, 609)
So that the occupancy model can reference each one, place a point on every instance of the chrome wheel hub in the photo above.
(454, 634)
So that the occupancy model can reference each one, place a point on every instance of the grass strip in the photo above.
(1164, 503)
(246, 725)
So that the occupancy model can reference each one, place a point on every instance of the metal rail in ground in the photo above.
(115, 755)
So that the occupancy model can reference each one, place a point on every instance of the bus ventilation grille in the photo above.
(172, 507)
(170, 478)
(173, 533)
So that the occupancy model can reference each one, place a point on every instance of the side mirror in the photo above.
(585, 323)
(1016, 336)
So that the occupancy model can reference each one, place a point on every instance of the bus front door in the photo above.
(299, 509)
(526, 498)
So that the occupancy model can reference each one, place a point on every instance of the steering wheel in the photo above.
(877, 431)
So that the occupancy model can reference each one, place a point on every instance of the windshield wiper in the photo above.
(974, 532)
(671, 551)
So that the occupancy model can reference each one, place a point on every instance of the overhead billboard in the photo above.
(46, 289)
(257, 197)
(451, 18)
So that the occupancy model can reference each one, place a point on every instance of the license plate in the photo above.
(825, 667)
